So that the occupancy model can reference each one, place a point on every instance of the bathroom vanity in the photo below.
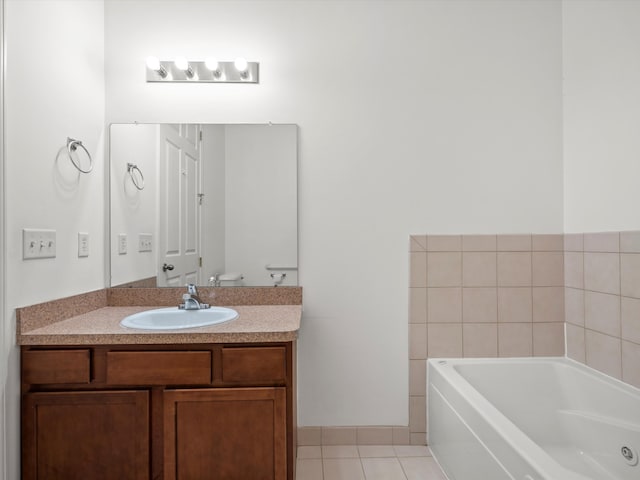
(103, 402)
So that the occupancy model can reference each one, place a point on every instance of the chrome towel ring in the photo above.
(136, 176)
(72, 146)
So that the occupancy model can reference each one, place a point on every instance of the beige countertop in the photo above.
(255, 323)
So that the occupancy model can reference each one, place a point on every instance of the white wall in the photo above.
(601, 115)
(133, 211)
(414, 117)
(261, 202)
(54, 89)
(213, 204)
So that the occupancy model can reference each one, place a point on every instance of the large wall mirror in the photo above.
(209, 204)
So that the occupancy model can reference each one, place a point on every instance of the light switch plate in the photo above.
(145, 242)
(83, 244)
(38, 243)
(122, 244)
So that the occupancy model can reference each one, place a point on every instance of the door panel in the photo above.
(225, 434)
(92, 435)
(179, 241)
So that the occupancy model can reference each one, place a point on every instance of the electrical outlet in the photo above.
(38, 243)
(122, 244)
(83, 244)
(145, 242)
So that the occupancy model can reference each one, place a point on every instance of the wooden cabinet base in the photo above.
(226, 434)
(172, 412)
(96, 435)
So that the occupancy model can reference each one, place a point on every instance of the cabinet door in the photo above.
(85, 435)
(225, 434)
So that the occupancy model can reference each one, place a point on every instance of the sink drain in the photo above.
(630, 455)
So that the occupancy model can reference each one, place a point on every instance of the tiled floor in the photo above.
(367, 462)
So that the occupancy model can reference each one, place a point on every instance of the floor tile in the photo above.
(309, 469)
(309, 452)
(382, 469)
(421, 468)
(376, 451)
(340, 451)
(412, 451)
(342, 469)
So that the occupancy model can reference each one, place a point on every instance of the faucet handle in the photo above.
(191, 288)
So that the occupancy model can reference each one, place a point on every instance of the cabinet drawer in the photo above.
(159, 368)
(254, 364)
(56, 366)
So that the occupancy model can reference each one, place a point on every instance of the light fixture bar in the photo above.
(199, 72)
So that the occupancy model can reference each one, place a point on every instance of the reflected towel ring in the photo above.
(72, 146)
(137, 179)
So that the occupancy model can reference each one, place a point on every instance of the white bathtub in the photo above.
(531, 419)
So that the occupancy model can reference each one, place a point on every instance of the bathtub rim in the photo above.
(519, 442)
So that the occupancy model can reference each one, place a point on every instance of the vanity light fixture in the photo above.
(182, 64)
(213, 66)
(208, 71)
(154, 65)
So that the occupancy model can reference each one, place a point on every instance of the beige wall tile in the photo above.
(630, 242)
(417, 243)
(547, 269)
(548, 304)
(574, 269)
(418, 269)
(339, 435)
(630, 274)
(418, 438)
(574, 306)
(444, 339)
(514, 269)
(602, 242)
(514, 243)
(548, 339)
(574, 242)
(444, 243)
(444, 269)
(515, 304)
(602, 312)
(479, 269)
(602, 272)
(417, 377)
(417, 341)
(479, 243)
(401, 436)
(309, 436)
(515, 339)
(480, 339)
(547, 243)
(604, 353)
(417, 414)
(374, 435)
(631, 363)
(480, 305)
(630, 319)
(444, 305)
(417, 305)
(575, 342)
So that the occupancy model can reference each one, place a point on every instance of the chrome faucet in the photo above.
(191, 300)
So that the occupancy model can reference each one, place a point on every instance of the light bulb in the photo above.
(212, 64)
(181, 63)
(153, 63)
(241, 64)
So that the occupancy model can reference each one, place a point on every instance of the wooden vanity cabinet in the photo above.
(183, 412)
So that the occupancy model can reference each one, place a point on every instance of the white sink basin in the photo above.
(172, 318)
